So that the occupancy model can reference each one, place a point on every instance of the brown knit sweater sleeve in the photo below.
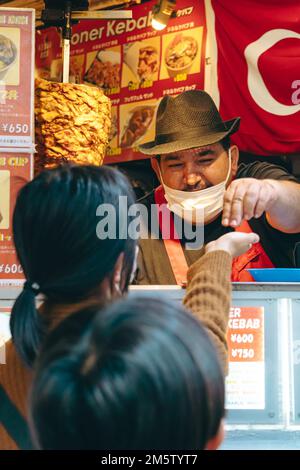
(208, 297)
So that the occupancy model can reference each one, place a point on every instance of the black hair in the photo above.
(54, 227)
(142, 374)
(226, 143)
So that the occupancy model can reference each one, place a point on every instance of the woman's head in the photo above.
(56, 235)
(142, 374)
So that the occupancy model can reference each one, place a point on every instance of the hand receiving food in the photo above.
(235, 243)
(246, 198)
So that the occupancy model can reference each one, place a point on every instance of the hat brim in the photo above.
(152, 148)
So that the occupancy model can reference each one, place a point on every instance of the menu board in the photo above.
(17, 32)
(245, 383)
(15, 171)
(134, 64)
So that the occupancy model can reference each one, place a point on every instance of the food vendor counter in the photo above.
(263, 385)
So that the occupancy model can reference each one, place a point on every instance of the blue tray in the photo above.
(275, 274)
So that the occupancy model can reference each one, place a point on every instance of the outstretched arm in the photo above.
(208, 297)
(208, 294)
(248, 197)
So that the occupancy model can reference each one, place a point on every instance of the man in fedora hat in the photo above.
(199, 174)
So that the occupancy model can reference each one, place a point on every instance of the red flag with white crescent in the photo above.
(254, 71)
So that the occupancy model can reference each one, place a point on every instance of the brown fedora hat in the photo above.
(189, 120)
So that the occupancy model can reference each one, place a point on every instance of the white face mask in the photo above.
(198, 206)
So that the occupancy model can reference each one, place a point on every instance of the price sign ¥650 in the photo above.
(17, 39)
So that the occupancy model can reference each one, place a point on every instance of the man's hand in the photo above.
(246, 198)
(235, 243)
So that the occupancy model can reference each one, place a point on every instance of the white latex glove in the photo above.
(235, 243)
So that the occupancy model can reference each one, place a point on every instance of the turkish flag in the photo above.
(258, 68)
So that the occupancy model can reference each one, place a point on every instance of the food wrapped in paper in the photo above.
(72, 124)
(142, 59)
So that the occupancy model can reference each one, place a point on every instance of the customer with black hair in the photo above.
(63, 259)
(54, 227)
(143, 374)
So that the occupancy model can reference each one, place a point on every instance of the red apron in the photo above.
(255, 257)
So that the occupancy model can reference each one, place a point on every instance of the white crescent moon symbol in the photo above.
(256, 84)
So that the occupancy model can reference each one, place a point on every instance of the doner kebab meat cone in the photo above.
(72, 124)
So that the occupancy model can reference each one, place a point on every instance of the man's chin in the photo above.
(194, 190)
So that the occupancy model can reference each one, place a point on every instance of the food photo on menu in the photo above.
(9, 55)
(55, 71)
(141, 61)
(113, 133)
(76, 68)
(181, 53)
(104, 69)
(137, 123)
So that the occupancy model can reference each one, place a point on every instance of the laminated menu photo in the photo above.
(9, 56)
(103, 69)
(181, 53)
(141, 61)
(137, 123)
